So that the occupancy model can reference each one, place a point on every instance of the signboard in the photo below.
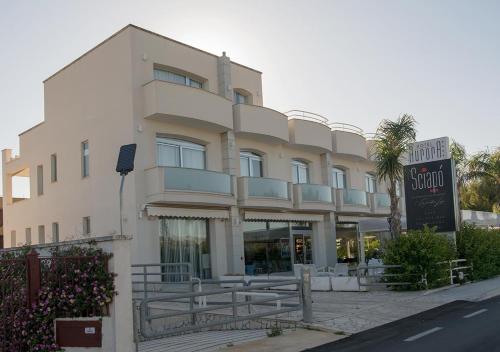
(429, 192)
(429, 150)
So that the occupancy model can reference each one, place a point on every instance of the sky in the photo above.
(351, 61)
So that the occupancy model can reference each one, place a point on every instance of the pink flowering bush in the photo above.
(75, 283)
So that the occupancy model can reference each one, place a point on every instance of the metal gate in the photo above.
(199, 305)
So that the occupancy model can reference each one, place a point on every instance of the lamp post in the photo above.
(125, 165)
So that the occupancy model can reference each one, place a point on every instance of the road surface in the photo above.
(457, 326)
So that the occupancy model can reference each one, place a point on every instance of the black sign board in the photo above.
(429, 195)
(126, 158)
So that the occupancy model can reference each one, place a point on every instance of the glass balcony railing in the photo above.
(267, 188)
(316, 193)
(184, 179)
(382, 200)
(355, 197)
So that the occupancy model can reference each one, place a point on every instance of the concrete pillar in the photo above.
(121, 309)
(225, 88)
(218, 248)
(229, 157)
(319, 243)
(330, 239)
(235, 243)
(326, 169)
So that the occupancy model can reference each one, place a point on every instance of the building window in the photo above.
(164, 75)
(371, 183)
(338, 178)
(55, 232)
(300, 172)
(86, 226)
(13, 239)
(28, 235)
(250, 164)
(240, 98)
(53, 168)
(39, 180)
(85, 159)
(41, 234)
(186, 241)
(178, 153)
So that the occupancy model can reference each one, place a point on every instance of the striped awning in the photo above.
(258, 215)
(187, 212)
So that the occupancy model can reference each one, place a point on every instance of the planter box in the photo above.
(346, 283)
(84, 334)
(230, 278)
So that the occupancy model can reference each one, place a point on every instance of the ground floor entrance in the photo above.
(273, 247)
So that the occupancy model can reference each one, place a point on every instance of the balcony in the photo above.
(349, 140)
(380, 203)
(260, 122)
(175, 185)
(173, 102)
(260, 192)
(352, 201)
(309, 130)
(313, 197)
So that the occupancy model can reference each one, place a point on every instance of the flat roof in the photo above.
(147, 31)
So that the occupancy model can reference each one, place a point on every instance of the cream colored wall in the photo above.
(356, 171)
(277, 159)
(89, 100)
(249, 80)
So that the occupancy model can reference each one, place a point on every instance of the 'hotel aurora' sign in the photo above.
(430, 150)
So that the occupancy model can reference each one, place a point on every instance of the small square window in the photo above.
(53, 168)
(86, 226)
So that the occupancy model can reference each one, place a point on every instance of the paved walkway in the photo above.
(353, 312)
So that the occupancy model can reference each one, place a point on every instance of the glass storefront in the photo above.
(347, 242)
(272, 247)
(186, 241)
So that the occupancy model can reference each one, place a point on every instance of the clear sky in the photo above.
(351, 61)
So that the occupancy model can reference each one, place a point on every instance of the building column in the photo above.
(218, 247)
(326, 169)
(224, 76)
(319, 243)
(235, 243)
(7, 178)
(330, 239)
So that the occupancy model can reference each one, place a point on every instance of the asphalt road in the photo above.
(457, 326)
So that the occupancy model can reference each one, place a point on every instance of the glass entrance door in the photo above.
(302, 249)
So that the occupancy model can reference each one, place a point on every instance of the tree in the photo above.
(391, 144)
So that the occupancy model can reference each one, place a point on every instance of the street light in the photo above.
(124, 166)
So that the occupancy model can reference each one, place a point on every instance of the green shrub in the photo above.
(419, 253)
(481, 247)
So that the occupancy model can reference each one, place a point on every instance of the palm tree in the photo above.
(391, 144)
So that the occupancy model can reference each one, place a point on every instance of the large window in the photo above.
(300, 172)
(273, 247)
(178, 153)
(85, 159)
(185, 241)
(338, 178)
(164, 75)
(250, 164)
(371, 183)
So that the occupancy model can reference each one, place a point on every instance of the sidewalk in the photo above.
(352, 312)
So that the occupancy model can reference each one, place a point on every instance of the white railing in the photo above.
(346, 127)
(306, 115)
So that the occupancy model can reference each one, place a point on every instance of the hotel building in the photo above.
(220, 180)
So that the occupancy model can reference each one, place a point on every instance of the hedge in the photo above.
(418, 253)
(481, 247)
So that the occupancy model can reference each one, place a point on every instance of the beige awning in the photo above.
(188, 213)
(258, 215)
